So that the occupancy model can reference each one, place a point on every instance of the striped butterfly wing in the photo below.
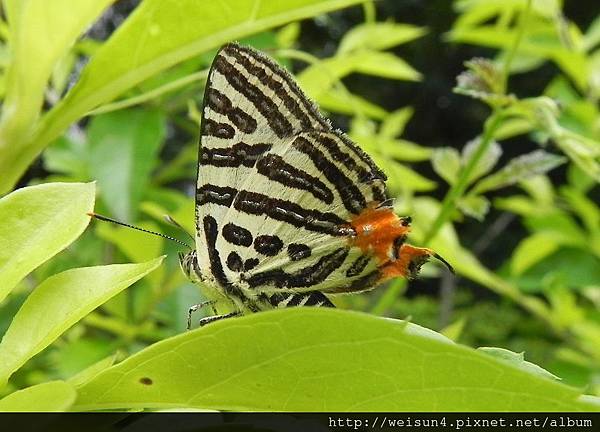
(277, 189)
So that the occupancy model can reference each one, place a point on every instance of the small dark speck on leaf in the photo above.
(146, 381)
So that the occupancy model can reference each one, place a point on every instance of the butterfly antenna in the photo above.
(116, 222)
(173, 222)
(446, 263)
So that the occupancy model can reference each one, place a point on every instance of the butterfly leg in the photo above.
(197, 307)
(208, 320)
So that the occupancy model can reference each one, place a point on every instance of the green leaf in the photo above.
(446, 163)
(156, 36)
(280, 360)
(517, 359)
(402, 150)
(58, 303)
(532, 250)
(454, 330)
(319, 78)
(91, 371)
(521, 167)
(476, 206)
(385, 65)
(586, 209)
(124, 147)
(68, 156)
(583, 151)
(37, 223)
(41, 33)
(137, 246)
(337, 100)
(485, 163)
(50, 396)
(393, 125)
(379, 36)
(403, 178)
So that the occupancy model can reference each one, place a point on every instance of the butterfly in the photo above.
(288, 209)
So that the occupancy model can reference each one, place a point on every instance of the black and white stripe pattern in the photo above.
(277, 187)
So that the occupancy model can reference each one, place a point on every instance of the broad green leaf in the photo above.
(58, 303)
(454, 330)
(521, 167)
(587, 210)
(379, 36)
(41, 33)
(592, 35)
(541, 40)
(485, 163)
(446, 163)
(517, 359)
(532, 250)
(337, 100)
(50, 396)
(320, 77)
(123, 150)
(157, 35)
(403, 150)
(403, 178)
(475, 206)
(137, 246)
(68, 156)
(93, 370)
(540, 188)
(281, 360)
(583, 151)
(288, 35)
(473, 12)
(385, 65)
(393, 125)
(37, 223)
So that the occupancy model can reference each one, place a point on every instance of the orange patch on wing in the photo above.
(377, 229)
(408, 264)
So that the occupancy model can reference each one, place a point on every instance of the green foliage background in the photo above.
(500, 175)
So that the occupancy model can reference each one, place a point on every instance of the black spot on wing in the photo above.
(239, 154)
(237, 235)
(268, 245)
(211, 230)
(216, 129)
(298, 251)
(234, 262)
(209, 193)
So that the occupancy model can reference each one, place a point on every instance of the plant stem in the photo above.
(490, 128)
(513, 49)
(458, 188)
